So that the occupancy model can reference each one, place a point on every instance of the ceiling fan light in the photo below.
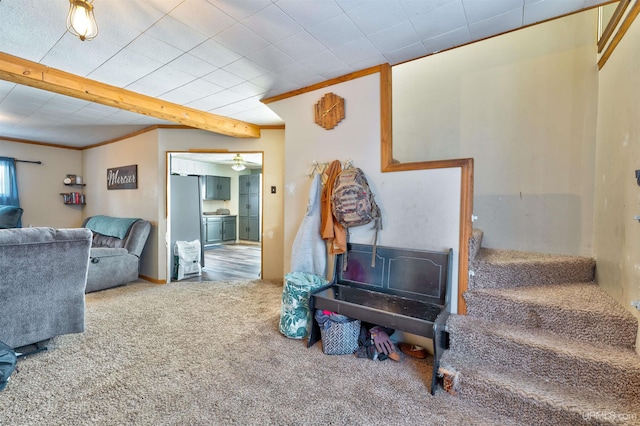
(80, 21)
(238, 163)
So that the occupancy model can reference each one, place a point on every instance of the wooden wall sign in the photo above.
(125, 177)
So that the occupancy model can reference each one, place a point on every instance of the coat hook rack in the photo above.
(317, 168)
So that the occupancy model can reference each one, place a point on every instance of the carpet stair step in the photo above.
(581, 311)
(602, 369)
(495, 268)
(532, 400)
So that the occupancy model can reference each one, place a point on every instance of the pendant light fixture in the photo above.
(238, 163)
(80, 21)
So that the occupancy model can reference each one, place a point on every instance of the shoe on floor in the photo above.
(414, 351)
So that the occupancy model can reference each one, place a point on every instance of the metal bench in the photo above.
(406, 290)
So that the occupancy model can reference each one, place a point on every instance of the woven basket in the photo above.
(340, 338)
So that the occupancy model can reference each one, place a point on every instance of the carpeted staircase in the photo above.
(542, 343)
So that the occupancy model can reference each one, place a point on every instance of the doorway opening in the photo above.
(217, 198)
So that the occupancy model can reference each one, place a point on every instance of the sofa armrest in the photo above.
(137, 237)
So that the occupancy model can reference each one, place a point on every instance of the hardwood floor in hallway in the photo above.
(230, 262)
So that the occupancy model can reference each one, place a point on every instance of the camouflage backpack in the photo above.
(353, 202)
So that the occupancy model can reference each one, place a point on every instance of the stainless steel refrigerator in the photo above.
(186, 211)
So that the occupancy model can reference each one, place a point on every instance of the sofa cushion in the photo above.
(100, 240)
(100, 252)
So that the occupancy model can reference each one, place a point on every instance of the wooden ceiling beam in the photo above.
(22, 71)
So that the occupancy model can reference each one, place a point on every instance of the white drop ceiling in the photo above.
(224, 56)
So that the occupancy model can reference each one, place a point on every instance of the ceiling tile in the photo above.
(456, 37)
(480, 11)
(272, 24)
(218, 100)
(165, 6)
(406, 53)
(347, 5)
(395, 37)
(175, 33)
(445, 19)
(124, 68)
(215, 53)
(418, 9)
(301, 45)
(326, 63)
(260, 115)
(356, 51)
(270, 81)
(299, 73)
(271, 58)
(28, 28)
(138, 15)
(202, 16)
(245, 69)
(223, 78)
(377, 15)
(496, 25)
(192, 91)
(153, 48)
(240, 9)
(78, 57)
(160, 81)
(241, 40)
(334, 31)
(309, 13)
(249, 89)
(192, 65)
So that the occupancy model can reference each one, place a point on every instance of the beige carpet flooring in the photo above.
(209, 353)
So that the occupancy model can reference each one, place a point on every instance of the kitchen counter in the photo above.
(217, 215)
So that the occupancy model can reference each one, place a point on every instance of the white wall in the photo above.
(40, 185)
(617, 200)
(524, 106)
(420, 209)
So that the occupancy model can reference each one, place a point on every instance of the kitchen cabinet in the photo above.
(217, 187)
(249, 228)
(249, 189)
(219, 229)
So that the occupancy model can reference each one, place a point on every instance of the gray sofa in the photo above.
(115, 251)
(43, 272)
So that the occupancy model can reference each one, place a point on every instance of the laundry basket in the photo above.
(295, 317)
(339, 333)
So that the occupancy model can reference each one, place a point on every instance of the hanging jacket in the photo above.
(331, 230)
(309, 253)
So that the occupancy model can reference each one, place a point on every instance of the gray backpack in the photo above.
(353, 203)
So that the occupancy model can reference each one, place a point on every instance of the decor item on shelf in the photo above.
(238, 163)
(80, 21)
